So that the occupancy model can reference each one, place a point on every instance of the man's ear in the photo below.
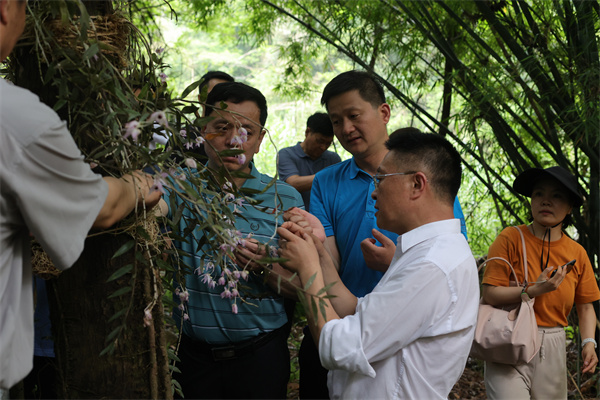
(385, 112)
(419, 184)
(307, 132)
(260, 139)
(3, 11)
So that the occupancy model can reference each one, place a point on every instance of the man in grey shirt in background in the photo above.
(297, 165)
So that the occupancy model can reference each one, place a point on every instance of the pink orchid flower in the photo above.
(147, 318)
(190, 162)
(160, 118)
(131, 129)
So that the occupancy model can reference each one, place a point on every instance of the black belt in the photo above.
(222, 352)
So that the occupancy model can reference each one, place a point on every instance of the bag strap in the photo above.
(500, 259)
(524, 255)
(524, 284)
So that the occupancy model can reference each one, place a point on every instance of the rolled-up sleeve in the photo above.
(346, 353)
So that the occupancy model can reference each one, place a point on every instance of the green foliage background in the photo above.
(512, 84)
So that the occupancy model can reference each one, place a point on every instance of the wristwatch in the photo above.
(588, 340)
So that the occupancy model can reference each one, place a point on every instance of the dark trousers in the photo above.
(41, 381)
(313, 377)
(258, 372)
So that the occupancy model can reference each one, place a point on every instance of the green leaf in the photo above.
(189, 109)
(59, 104)
(322, 306)
(141, 231)
(108, 349)
(231, 153)
(124, 249)
(189, 89)
(120, 272)
(310, 281)
(200, 122)
(171, 355)
(302, 299)
(84, 20)
(117, 314)
(314, 308)
(140, 257)
(325, 288)
(114, 333)
(120, 292)
(91, 51)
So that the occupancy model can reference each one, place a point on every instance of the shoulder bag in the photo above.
(507, 334)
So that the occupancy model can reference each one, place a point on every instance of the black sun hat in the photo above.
(524, 183)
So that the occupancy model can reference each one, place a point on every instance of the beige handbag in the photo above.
(507, 334)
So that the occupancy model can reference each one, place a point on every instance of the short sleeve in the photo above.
(318, 205)
(286, 164)
(497, 273)
(587, 288)
(57, 194)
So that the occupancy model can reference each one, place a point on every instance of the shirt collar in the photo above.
(248, 183)
(355, 170)
(427, 231)
(299, 151)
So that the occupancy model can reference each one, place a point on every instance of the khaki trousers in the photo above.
(544, 377)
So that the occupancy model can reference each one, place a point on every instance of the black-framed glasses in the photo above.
(377, 177)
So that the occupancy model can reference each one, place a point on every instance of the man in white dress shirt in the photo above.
(410, 337)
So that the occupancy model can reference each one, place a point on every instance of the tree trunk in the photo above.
(81, 313)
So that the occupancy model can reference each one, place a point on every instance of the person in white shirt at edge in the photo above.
(47, 190)
(411, 336)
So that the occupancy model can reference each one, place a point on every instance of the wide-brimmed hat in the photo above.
(524, 183)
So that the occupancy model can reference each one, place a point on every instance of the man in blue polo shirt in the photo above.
(341, 200)
(297, 165)
(234, 342)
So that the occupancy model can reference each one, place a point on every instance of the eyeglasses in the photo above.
(377, 177)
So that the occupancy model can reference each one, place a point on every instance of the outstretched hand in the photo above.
(298, 247)
(376, 257)
(145, 188)
(306, 221)
(247, 256)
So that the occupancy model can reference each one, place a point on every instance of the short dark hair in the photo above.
(434, 154)
(320, 123)
(210, 75)
(236, 92)
(368, 87)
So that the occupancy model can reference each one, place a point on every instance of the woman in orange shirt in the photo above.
(553, 193)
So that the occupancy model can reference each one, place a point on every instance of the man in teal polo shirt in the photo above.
(234, 344)
(341, 200)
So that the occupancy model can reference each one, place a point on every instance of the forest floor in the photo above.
(470, 385)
